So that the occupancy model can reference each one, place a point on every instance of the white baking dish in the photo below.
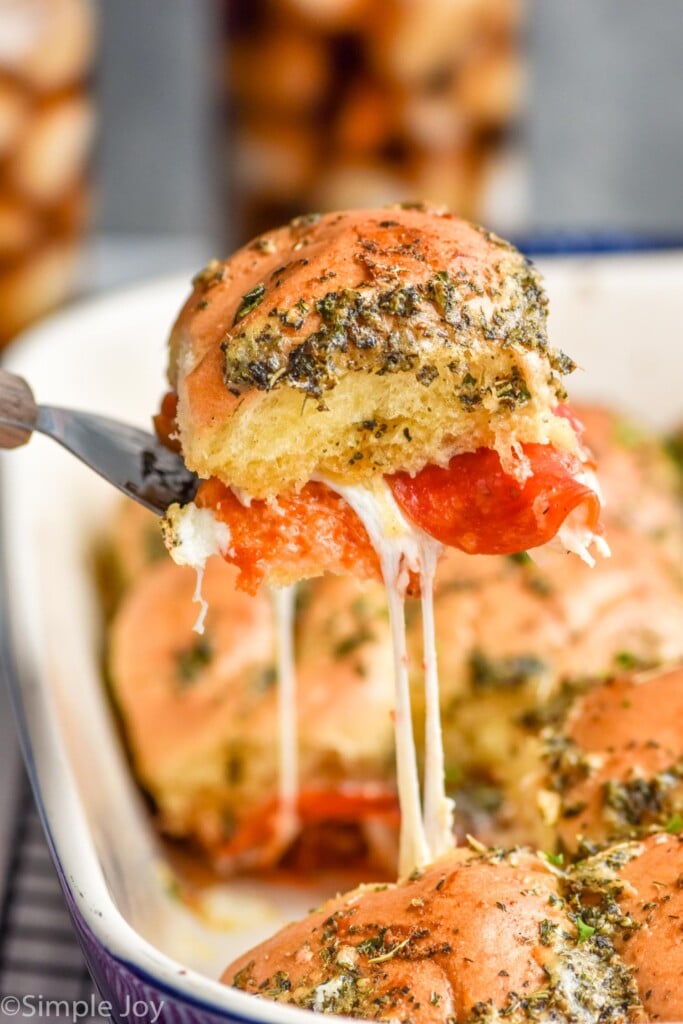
(619, 317)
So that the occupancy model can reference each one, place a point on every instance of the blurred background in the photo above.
(165, 132)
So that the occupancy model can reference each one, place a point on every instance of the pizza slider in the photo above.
(520, 639)
(356, 391)
(364, 373)
(478, 937)
(202, 720)
(633, 900)
(615, 768)
(518, 645)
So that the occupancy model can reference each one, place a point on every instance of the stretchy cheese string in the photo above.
(414, 849)
(402, 548)
(284, 599)
(426, 829)
(438, 808)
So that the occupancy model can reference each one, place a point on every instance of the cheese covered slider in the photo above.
(615, 766)
(632, 900)
(358, 390)
(477, 937)
(348, 372)
(203, 720)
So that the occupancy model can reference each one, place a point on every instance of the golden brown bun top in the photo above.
(275, 283)
(408, 318)
(653, 898)
(626, 736)
(641, 881)
(470, 935)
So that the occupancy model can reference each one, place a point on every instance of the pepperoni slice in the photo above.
(316, 806)
(349, 804)
(297, 535)
(473, 505)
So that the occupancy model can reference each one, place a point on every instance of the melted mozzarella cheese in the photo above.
(192, 535)
(575, 535)
(438, 808)
(403, 548)
(326, 995)
(284, 599)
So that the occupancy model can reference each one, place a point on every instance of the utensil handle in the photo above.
(18, 410)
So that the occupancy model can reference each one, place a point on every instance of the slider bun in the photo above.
(183, 698)
(617, 765)
(360, 343)
(634, 895)
(470, 937)
(653, 897)
(200, 714)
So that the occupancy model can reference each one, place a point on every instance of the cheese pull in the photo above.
(356, 390)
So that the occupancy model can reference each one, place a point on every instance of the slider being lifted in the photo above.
(394, 359)
(357, 390)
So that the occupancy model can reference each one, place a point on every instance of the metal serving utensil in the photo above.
(132, 460)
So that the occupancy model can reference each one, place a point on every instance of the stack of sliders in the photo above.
(360, 391)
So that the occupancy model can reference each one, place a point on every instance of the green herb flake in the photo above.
(585, 930)
(520, 558)
(426, 374)
(640, 801)
(244, 976)
(212, 274)
(191, 660)
(249, 302)
(348, 644)
(556, 859)
(512, 391)
(372, 945)
(674, 825)
(390, 954)
(279, 983)
(627, 660)
(562, 363)
(504, 673)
